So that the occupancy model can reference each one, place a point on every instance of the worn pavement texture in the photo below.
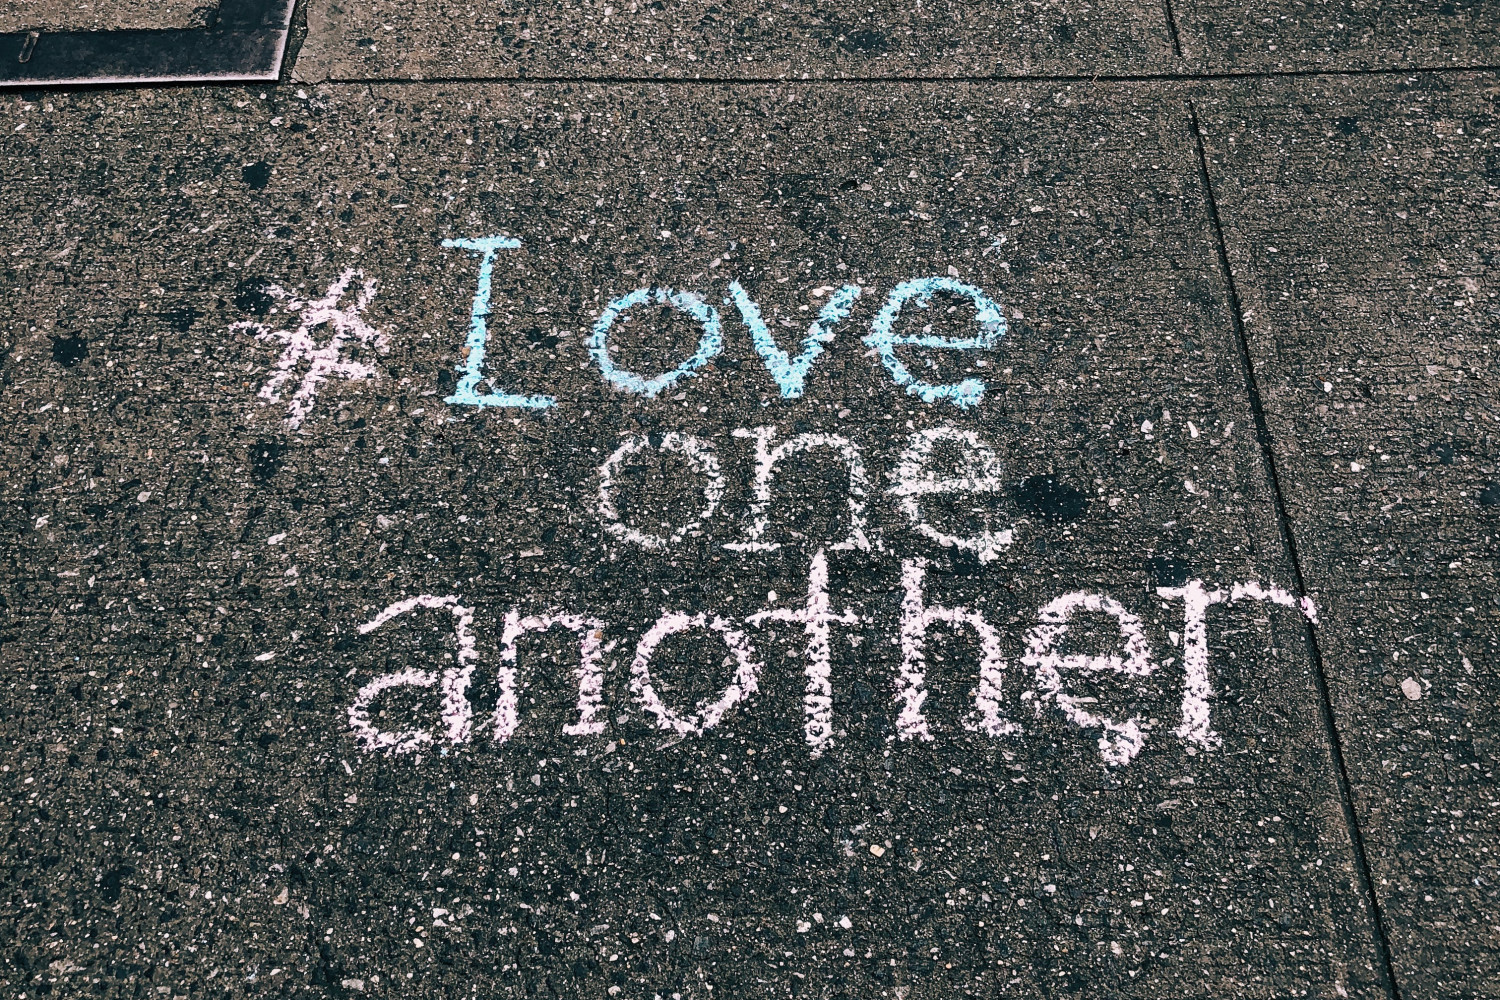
(1361, 223)
(626, 535)
(693, 39)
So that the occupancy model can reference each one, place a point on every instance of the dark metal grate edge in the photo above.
(244, 42)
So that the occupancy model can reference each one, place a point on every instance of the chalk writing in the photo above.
(766, 458)
(916, 618)
(790, 373)
(699, 455)
(300, 345)
(455, 711)
(709, 345)
(1119, 742)
(467, 391)
(590, 633)
(1197, 689)
(884, 340)
(707, 714)
(977, 472)
(815, 616)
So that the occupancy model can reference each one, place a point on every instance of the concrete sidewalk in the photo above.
(1011, 514)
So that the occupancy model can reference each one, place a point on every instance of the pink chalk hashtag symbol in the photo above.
(348, 327)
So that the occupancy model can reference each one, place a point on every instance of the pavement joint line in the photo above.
(1283, 523)
(1171, 15)
(920, 80)
(621, 81)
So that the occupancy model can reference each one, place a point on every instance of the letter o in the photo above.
(707, 715)
(709, 345)
(698, 453)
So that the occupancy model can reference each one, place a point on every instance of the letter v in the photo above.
(790, 372)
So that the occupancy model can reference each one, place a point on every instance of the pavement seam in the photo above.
(296, 37)
(1171, 15)
(1283, 523)
(748, 81)
(288, 79)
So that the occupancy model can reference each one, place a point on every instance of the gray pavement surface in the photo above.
(1227, 36)
(430, 570)
(689, 39)
(693, 39)
(102, 15)
(1375, 354)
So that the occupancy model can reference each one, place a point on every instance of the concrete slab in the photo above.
(259, 537)
(1230, 36)
(1360, 217)
(687, 39)
(101, 15)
